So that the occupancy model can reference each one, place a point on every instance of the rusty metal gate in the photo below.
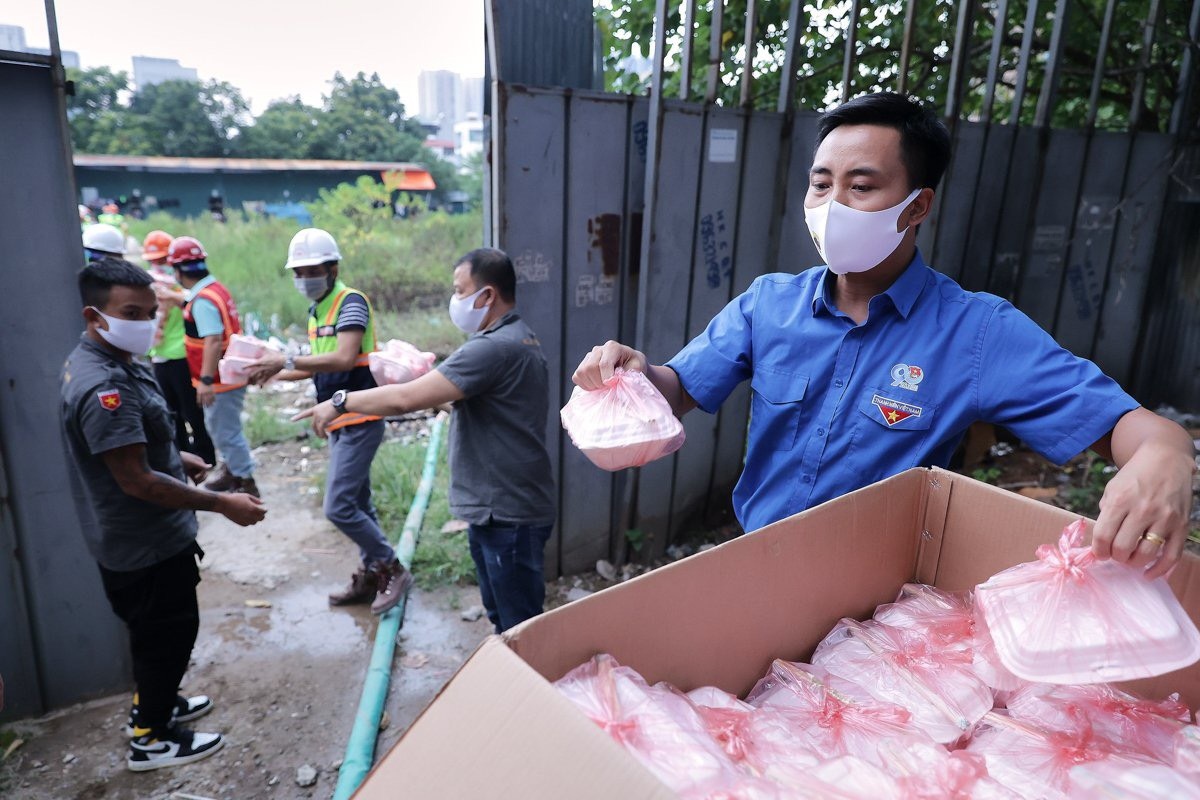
(639, 218)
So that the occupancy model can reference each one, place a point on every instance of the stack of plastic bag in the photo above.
(399, 362)
(1069, 618)
(628, 423)
(820, 714)
(658, 727)
(937, 685)
(242, 351)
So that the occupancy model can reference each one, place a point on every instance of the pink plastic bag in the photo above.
(1122, 782)
(234, 370)
(247, 347)
(1036, 763)
(937, 685)
(948, 619)
(819, 710)
(1187, 751)
(399, 362)
(1146, 727)
(928, 771)
(1068, 618)
(660, 728)
(628, 423)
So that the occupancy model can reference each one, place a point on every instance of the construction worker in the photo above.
(118, 431)
(209, 318)
(169, 354)
(101, 241)
(110, 214)
(341, 332)
(500, 478)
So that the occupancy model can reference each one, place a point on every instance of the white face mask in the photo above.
(464, 314)
(132, 336)
(855, 241)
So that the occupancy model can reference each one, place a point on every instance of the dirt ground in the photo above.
(284, 669)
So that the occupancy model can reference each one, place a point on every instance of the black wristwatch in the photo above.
(338, 401)
(207, 380)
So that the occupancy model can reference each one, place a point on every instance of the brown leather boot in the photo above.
(246, 485)
(393, 583)
(220, 480)
(362, 588)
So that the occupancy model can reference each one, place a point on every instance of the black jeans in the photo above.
(175, 380)
(158, 606)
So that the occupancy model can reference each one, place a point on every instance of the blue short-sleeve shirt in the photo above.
(837, 406)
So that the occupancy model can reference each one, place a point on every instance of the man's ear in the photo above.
(919, 208)
(92, 315)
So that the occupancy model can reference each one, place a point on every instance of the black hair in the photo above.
(97, 279)
(491, 267)
(924, 140)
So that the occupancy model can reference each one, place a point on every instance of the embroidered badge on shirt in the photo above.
(895, 411)
(110, 399)
(907, 377)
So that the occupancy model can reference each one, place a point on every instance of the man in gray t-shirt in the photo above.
(120, 434)
(500, 478)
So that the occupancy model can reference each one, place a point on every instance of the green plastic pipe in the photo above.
(360, 749)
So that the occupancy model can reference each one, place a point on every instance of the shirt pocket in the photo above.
(894, 413)
(776, 407)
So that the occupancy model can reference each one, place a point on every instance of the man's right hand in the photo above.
(241, 508)
(598, 366)
(205, 395)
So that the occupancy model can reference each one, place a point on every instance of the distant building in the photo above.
(468, 137)
(442, 148)
(471, 99)
(438, 96)
(148, 71)
(12, 37)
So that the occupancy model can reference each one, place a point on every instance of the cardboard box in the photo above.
(500, 729)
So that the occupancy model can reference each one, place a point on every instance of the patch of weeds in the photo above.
(636, 538)
(266, 424)
(987, 474)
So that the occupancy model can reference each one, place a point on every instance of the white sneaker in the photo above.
(171, 748)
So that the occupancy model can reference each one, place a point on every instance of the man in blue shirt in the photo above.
(877, 363)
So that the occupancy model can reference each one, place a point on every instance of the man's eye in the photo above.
(861, 188)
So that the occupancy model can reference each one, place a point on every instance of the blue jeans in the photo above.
(348, 490)
(508, 563)
(224, 422)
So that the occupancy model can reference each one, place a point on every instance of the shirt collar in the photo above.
(191, 293)
(903, 293)
(508, 318)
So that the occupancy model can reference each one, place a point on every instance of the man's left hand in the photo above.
(1148, 500)
(321, 415)
(194, 466)
(266, 368)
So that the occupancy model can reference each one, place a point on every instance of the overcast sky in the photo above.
(270, 49)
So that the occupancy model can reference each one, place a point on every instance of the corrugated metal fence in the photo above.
(638, 218)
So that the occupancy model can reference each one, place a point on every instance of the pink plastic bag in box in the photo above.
(399, 362)
(1146, 727)
(928, 771)
(756, 739)
(1122, 782)
(658, 727)
(827, 721)
(1187, 751)
(1069, 618)
(949, 620)
(628, 423)
(1036, 763)
(937, 685)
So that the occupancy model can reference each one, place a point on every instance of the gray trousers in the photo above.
(348, 489)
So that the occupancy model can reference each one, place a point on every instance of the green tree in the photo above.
(97, 96)
(184, 118)
(285, 129)
(627, 27)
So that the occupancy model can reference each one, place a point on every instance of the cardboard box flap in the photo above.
(498, 730)
(720, 617)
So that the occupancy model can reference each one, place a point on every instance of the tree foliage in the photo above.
(627, 29)
(361, 119)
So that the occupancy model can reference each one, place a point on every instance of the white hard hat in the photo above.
(310, 247)
(104, 239)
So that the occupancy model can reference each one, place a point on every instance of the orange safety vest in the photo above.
(193, 344)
